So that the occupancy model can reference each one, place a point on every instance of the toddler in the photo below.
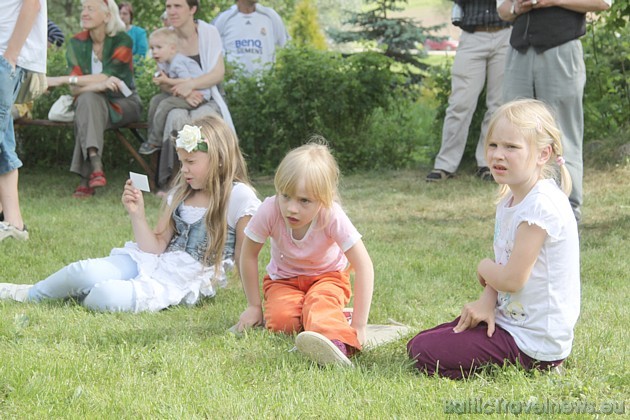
(173, 68)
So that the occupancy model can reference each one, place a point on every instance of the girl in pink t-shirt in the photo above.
(308, 278)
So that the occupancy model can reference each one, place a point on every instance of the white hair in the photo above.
(115, 23)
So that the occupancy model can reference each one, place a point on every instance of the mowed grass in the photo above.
(59, 360)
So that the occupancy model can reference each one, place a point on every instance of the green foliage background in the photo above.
(375, 113)
(607, 91)
(312, 92)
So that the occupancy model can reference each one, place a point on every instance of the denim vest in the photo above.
(193, 238)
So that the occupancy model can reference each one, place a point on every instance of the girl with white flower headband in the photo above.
(197, 239)
(531, 289)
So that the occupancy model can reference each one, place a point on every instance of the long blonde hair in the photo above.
(226, 166)
(535, 121)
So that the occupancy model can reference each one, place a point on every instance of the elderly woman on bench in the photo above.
(101, 79)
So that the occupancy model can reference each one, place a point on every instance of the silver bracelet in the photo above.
(73, 80)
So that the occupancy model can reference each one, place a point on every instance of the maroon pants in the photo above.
(458, 355)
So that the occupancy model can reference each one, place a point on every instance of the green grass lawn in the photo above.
(59, 360)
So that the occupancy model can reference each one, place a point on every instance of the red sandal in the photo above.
(97, 179)
(83, 192)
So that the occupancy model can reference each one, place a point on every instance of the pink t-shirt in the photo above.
(320, 251)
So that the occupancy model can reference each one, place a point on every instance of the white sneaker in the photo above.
(17, 292)
(9, 231)
(320, 349)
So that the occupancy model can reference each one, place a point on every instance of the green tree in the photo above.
(396, 37)
(304, 27)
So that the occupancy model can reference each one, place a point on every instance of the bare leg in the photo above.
(10, 199)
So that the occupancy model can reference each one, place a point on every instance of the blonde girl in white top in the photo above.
(531, 289)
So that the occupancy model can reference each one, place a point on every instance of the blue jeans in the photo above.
(102, 283)
(10, 82)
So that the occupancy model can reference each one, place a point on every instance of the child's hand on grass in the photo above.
(251, 317)
(361, 333)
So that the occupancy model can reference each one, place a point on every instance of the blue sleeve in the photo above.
(140, 43)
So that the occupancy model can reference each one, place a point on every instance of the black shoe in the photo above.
(438, 175)
(484, 174)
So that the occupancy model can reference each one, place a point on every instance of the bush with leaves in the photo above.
(313, 92)
(355, 102)
(607, 91)
(304, 27)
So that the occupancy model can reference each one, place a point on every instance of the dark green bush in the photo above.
(313, 92)
(396, 137)
(607, 91)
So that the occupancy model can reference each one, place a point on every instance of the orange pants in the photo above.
(310, 303)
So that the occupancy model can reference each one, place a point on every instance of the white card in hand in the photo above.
(124, 89)
(140, 181)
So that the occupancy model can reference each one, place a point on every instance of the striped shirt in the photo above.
(55, 36)
(480, 13)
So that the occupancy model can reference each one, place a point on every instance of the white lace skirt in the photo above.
(171, 278)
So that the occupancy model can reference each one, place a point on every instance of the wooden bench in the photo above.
(149, 167)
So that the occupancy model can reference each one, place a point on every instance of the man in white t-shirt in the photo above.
(250, 34)
(23, 43)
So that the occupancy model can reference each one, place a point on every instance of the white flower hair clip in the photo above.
(189, 138)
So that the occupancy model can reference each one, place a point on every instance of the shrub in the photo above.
(313, 92)
(304, 27)
(396, 137)
(607, 91)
